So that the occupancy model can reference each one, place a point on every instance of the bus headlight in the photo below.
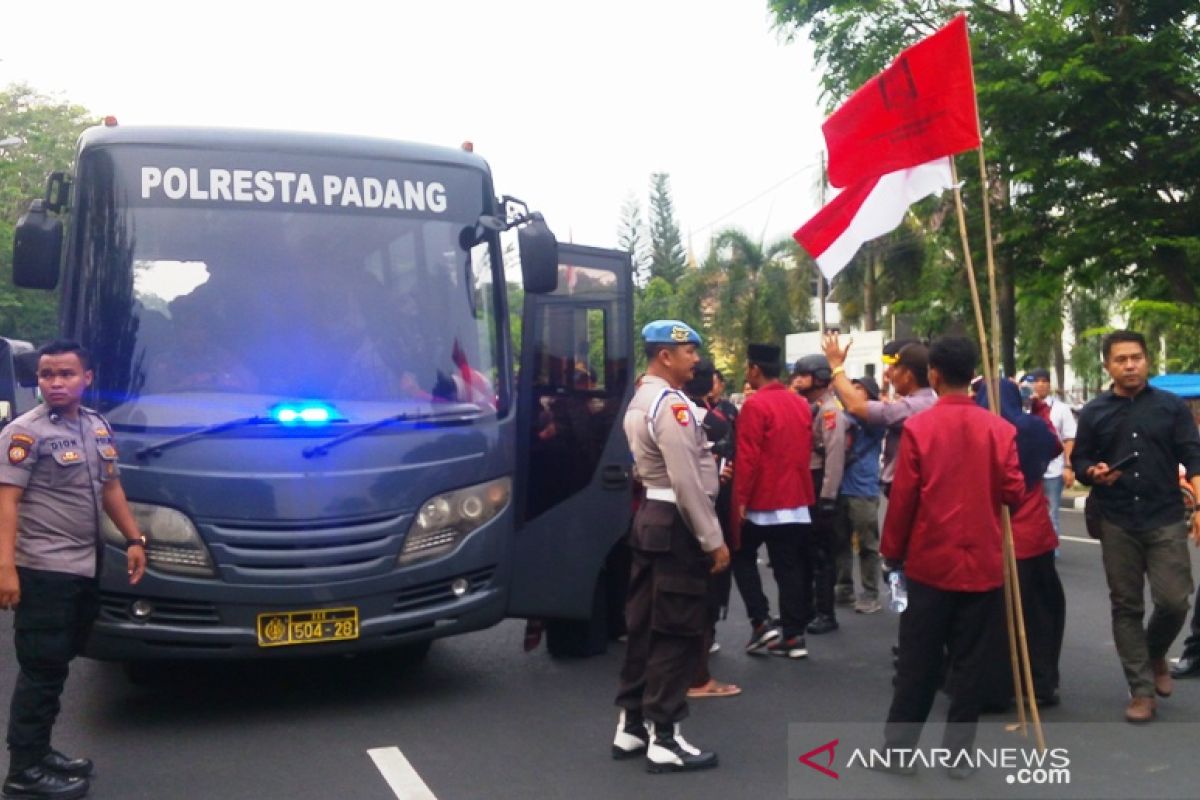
(174, 544)
(445, 520)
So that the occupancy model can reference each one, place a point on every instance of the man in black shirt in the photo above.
(1142, 527)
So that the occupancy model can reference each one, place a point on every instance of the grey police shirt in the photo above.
(62, 466)
(669, 450)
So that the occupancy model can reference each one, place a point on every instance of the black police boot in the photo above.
(822, 624)
(670, 752)
(65, 765)
(37, 783)
(632, 735)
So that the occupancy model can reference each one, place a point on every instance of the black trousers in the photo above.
(1191, 645)
(823, 556)
(1045, 613)
(744, 566)
(788, 549)
(51, 625)
(970, 625)
(717, 601)
(666, 614)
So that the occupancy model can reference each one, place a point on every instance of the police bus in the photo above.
(327, 432)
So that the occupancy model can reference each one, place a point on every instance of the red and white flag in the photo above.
(920, 108)
(867, 210)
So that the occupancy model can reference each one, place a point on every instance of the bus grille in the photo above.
(306, 555)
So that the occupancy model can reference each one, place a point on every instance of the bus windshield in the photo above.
(199, 305)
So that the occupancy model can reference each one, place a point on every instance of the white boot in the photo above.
(668, 751)
(632, 737)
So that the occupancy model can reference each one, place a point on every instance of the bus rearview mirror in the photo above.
(37, 248)
(539, 257)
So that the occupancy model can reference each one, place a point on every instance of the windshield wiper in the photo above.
(158, 448)
(405, 416)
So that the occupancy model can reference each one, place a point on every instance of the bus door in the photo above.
(574, 467)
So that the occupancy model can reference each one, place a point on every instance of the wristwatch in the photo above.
(140, 540)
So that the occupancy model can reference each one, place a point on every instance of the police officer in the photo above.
(812, 376)
(58, 472)
(676, 542)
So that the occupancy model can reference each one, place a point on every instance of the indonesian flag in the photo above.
(920, 108)
(867, 210)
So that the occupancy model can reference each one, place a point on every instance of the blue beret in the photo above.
(669, 331)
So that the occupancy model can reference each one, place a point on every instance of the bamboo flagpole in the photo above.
(1018, 646)
(1017, 610)
(821, 275)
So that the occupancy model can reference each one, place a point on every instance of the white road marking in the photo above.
(1088, 540)
(399, 774)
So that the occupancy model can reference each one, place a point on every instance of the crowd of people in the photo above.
(804, 465)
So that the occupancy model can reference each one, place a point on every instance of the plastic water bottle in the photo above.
(899, 590)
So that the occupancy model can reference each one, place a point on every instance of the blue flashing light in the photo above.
(307, 413)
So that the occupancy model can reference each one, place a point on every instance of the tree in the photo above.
(883, 272)
(653, 301)
(1092, 127)
(631, 237)
(667, 259)
(1170, 330)
(39, 133)
(753, 293)
(1040, 309)
(1089, 312)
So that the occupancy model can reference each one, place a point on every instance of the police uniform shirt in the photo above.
(668, 447)
(829, 428)
(62, 466)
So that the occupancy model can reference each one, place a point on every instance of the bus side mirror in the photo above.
(18, 363)
(539, 256)
(37, 248)
(25, 367)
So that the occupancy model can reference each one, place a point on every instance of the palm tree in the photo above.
(755, 297)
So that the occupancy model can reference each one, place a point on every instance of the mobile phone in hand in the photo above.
(1123, 463)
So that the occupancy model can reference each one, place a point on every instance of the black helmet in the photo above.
(816, 365)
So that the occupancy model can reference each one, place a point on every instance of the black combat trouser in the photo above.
(823, 556)
(970, 625)
(716, 602)
(666, 614)
(720, 586)
(51, 625)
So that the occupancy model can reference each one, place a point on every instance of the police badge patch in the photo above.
(679, 334)
(17, 453)
(681, 413)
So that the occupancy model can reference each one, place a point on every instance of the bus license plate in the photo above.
(279, 628)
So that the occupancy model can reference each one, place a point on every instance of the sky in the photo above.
(573, 104)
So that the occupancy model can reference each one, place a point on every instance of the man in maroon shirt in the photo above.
(957, 463)
(772, 490)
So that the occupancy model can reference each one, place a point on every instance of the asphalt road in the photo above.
(479, 718)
